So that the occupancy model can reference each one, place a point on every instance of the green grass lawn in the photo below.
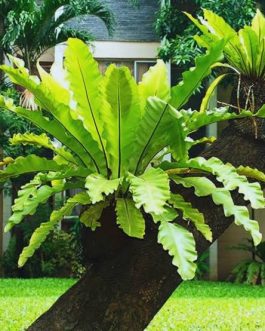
(195, 306)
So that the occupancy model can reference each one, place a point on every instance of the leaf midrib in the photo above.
(150, 138)
(93, 116)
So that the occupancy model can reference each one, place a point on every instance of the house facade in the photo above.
(134, 42)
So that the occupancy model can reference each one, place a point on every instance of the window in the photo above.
(141, 67)
(137, 68)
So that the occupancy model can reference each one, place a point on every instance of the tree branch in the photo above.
(126, 286)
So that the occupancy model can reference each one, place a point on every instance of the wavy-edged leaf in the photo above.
(192, 214)
(129, 218)
(41, 233)
(205, 140)
(169, 215)
(85, 80)
(37, 238)
(121, 116)
(155, 83)
(228, 176)
(251, 173)
(180, 244)
(196, 119)
(75, 172)
(28, 201)
(90, 217)
(192, 79)
(98, 186)
(41, 140)
(6, 161)
(240, 213)
(28, 164)
(150, 190)
(221, 196)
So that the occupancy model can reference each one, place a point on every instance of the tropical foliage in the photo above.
(31, 27)
(244, 50)
(112, 132)
(176, 31)
(244, 54)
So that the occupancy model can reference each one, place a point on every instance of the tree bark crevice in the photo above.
(125, 289)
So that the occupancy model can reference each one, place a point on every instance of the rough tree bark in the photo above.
(125, 287)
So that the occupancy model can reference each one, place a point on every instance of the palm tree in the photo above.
(30, 28)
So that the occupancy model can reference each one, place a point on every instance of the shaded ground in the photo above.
(195, 306)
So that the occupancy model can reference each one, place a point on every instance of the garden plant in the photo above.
(244, 54)
(28, 28)
(252, 270)
(113, 136)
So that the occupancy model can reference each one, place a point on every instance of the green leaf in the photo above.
(250, 49)
(210, 91)
(192, 214)
(129, 218)
(205, 140)
(258, 25)
(192, 79)
(42, 140)
(157, 130)
(41, 233)
(98, 185)
(219, 29)
(52, 127)
(121, 117)
(251, 173)
(85, 79)
(62, 94)
(90, 217)
(217, 25)
(194, 120)
(169, 215)
(180, 244)
(221, 196)
(28, 201)
(28, 164)
(150, 190)
(227, 174)
(155, 83)
(261, 112)
(37, 238)
(27, 191)
(68, 118)
(207, 38)
(240, 213)
(244, 50)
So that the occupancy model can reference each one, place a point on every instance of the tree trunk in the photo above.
(126, 286)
